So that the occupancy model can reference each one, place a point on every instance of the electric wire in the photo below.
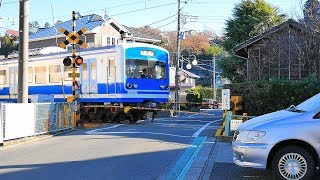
(160, 20)
(137, 10)
(55, 31)
(11, 2)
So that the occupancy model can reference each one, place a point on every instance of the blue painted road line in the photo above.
(191, 160)
(186, 160)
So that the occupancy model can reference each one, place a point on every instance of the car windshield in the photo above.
(310, 104)
(138, 68)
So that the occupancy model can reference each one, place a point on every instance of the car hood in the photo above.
(267, 118)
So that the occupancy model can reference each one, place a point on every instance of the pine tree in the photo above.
(311, 10)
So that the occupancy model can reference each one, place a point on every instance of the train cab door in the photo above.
(89, 83)
(111, 76)
(13, 80)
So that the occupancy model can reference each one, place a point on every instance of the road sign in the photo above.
(234, 124)
(73, 38)
(225, 99)
(73, 75)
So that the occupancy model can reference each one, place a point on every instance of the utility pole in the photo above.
(177, 76)
(23, 52)
(214, 78)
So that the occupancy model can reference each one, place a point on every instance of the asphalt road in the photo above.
(144, 150)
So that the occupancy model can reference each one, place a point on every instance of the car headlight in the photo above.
(249, 136)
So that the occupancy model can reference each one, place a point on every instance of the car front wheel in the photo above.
(293, 162)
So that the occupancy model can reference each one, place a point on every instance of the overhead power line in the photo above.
(11, 2)
(152, 7)
(166, 24)
(161, 20)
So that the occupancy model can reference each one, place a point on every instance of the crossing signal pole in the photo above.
(74, 39)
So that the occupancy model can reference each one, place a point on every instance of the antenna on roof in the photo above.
(105, 16)
(78, 15)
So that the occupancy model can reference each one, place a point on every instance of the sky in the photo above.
(199, 15)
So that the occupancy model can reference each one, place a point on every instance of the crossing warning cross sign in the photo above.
(73, 38)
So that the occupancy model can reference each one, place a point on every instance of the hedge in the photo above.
(261, 97)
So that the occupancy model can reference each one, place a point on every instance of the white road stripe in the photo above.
(186, 125)
(111, 127)
(137, 132)
(196, 134)
(183, 120)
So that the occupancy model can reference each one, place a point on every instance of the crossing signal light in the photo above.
(66, 61)
(79, 60)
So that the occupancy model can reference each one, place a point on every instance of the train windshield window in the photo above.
(138, 68)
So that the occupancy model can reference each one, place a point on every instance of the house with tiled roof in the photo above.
(287, 51)
(11, 32)
(99, 32)
(144, 34)
(187, 81)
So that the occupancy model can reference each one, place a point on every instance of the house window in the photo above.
(108, 40)
(3, 77)
(40, 75)
(55, 74)
(113, 41)
(30, 75)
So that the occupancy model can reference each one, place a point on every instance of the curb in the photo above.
(25, 140)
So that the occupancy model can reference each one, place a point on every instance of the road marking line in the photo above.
(111, 127)
(130, 132)
(171, 124)
(186, 125)
(191, 160)
(183, 120)
(186, 160)
(196, 134)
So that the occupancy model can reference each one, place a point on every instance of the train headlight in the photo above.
(135, 85)
(129, 85)
(162, 86)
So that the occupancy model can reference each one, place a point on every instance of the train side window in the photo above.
(55, 74)
(3, 77)
(93, 70)
(40, 74)
(30, 75)
(68, 70)
(112, 69)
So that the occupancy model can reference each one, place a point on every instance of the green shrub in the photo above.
(263, 97)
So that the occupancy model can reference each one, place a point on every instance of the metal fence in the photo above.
(52, 117)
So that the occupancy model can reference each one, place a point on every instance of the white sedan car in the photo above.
(286, 141)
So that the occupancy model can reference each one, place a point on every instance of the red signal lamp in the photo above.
(67, 61)
(79, 60)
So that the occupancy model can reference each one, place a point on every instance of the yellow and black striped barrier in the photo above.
(128, 108)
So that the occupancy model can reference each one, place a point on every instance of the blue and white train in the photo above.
(108, 75)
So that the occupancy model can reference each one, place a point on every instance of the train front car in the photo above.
(137, 77)
(146, 74)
